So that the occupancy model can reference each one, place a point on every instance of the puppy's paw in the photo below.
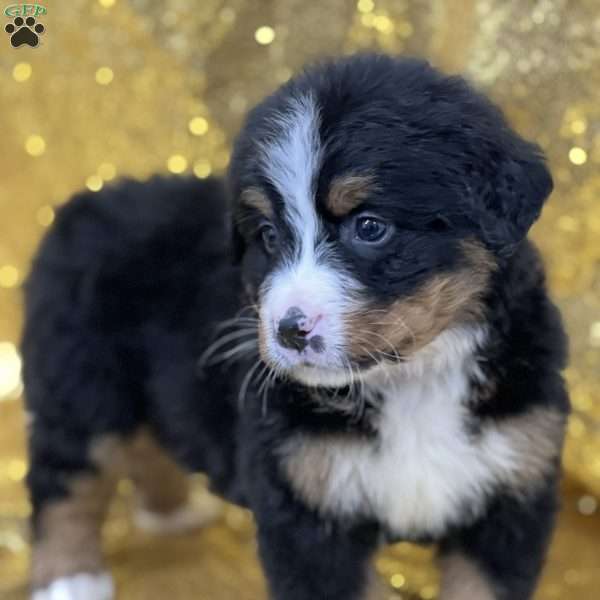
(82, 586)
(199, 511)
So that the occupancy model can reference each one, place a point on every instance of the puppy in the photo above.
(372, 358)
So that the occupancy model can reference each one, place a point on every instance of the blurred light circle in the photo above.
(35, 145)
(104, 75)
(22, 72)
(10, 370)
(264, 35)
(177, 163)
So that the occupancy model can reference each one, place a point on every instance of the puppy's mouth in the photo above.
(313, 363)
(327, 377)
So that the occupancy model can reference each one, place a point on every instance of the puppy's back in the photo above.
(116, 267)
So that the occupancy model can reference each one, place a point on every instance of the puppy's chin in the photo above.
(315, 376)
(308, 373)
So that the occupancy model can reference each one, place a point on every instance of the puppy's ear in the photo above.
(512, 195)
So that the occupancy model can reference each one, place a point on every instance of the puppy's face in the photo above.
(374, 198)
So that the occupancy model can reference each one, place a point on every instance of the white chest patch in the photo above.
(423, 472)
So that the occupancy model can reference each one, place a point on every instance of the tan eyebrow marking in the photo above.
(256, 198)
(346, 192)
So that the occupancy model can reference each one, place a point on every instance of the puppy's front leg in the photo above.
(306, 557)
(500, 556)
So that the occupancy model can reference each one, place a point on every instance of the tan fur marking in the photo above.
(68, 538)
(256, 198)
(347, 192)
(68, 541)
(309, 462)
(462, 580)
(536, 439)
(409, 324)
(161, 484)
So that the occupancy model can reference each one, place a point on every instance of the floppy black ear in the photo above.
(512, 195)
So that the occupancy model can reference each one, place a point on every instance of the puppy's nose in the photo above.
(294, 328)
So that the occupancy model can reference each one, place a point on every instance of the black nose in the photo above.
(290, 333)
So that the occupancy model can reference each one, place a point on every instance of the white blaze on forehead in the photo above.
(311, 279)
(291, 162)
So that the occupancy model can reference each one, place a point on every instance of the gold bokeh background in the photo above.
(132, 87)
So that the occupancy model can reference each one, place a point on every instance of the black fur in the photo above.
(116, 317)
(445, 163)
(129, 285)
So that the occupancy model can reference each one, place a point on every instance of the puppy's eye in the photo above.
(371, 229)
(269, 237)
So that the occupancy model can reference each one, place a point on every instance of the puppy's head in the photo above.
(373, 198)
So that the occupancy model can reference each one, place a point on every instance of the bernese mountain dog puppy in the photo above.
(367, 354)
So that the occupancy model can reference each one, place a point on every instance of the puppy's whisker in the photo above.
(344, 404)
(238, 318)
(398, 321)
(382, 337)
(247, 307)
(235, 334)
(364, 349)
(264, 374)
(381, 362)
(242, 348)
(357, 401)
(237, 321)
(389, 343)
(246, 383)
(378, 352)
(270, 379)
(222, 341)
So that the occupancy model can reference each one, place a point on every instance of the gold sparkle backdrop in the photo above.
(131, 87)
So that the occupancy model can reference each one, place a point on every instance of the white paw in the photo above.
(199, 511)
(82, 586)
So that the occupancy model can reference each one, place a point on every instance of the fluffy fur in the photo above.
(368, 354)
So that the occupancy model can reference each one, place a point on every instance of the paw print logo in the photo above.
(24, 31)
